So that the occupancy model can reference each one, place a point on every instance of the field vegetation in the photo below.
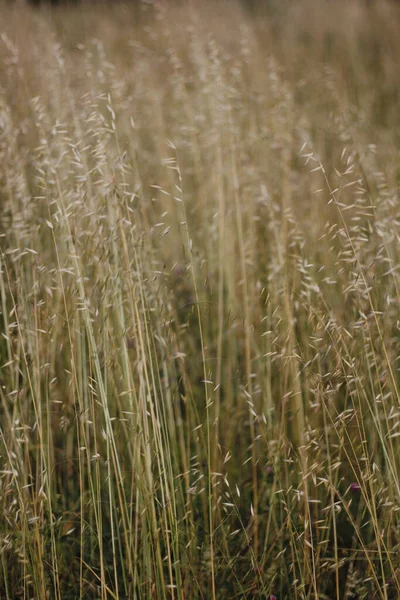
(199, 295)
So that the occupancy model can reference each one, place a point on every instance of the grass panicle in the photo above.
(199, 301)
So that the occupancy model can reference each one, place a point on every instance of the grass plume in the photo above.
(199, 298)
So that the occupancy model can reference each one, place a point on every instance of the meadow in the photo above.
(199, 301)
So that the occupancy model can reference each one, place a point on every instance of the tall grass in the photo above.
(200, 226)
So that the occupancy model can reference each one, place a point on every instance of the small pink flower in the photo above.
(355, 487)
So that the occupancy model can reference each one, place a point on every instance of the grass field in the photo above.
(199, 290)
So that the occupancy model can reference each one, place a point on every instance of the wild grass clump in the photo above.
(199, 288)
